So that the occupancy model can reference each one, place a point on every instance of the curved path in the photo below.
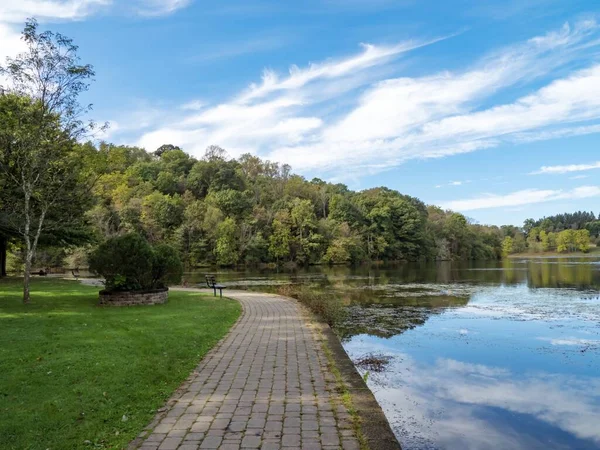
(266, 385)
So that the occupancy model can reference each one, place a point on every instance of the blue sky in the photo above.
(491, 108)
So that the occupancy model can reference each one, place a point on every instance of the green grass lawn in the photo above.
(74, 375)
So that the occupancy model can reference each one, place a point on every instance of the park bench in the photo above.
(211, 282)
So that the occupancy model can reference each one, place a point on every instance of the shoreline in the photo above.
(593, 253)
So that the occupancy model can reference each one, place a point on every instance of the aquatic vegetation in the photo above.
(373, 362)
(327, 305)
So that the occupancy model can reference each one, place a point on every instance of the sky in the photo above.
(487, 107)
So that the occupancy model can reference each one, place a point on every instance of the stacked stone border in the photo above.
(132, 298)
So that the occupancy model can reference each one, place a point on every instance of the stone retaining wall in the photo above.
(131, 298)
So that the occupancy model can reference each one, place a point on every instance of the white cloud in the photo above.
(159, 7)
(524, 197)
(18, 11)
(14, 13)
(571, 341)
(454, 183)
(444, 404)
(567, 168)
(347, 117)
(193, 105)
(10, 41)
(556, 134)
(371, 56)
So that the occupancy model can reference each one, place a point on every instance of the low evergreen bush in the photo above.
(130, 263)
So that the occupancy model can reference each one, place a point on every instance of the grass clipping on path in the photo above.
(75, 375)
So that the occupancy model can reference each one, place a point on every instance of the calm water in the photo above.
(483, 356)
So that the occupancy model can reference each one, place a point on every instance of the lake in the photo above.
(490, 355)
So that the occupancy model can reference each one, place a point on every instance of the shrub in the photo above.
(130, 263)
(166, 266)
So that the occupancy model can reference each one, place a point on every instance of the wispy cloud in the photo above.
(519, 198)
(14, 13)
(229, 50)
(567, 168)
(454, 183)
(18, 11)
(193, 105)
(333, 117)
(159, 7)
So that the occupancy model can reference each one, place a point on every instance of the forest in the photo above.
(222, 211)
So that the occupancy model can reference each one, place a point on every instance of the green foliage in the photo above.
(507, 246)
(125, 262)
(279, 242)
(568, 221)
(130, 263)
(46, 173)
(226, 249)
(582, 240)
(166, 266)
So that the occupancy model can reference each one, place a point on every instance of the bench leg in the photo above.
(220, 293)
(215, 289)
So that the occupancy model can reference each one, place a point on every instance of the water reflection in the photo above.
(452, 404)
(388, 280)
(493, 355)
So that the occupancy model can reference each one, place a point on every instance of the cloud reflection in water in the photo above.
(452, 404)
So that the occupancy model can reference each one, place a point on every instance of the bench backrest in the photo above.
(210, 280)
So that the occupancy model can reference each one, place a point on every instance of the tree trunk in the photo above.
(27, 277)
(3, 249)
(28, 254)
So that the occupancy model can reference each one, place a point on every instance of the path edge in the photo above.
(374, 424)
(161, 412)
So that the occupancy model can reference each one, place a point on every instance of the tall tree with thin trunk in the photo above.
(41, 122)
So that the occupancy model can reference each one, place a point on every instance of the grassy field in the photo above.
(74, 375)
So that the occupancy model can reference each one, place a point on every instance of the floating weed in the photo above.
(372, 362)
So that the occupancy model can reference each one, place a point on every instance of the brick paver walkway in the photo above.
(265, 386)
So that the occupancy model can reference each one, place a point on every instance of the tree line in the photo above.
(563, 233)
(224, 211)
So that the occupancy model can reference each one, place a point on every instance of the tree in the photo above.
(528, 225)
(165, 148)
(545, 240)
(3, 251)
(565, 241)
(507, 246)
(582, 240)
(41, 123)
(226, 249)
(279, 242)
